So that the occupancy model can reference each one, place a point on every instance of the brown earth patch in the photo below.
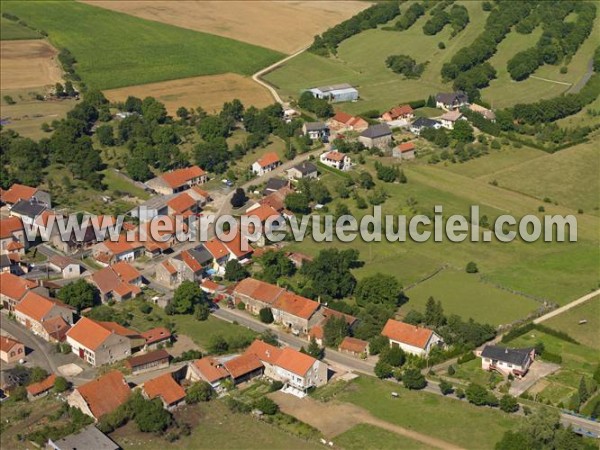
(28, 64)
(210, 92)
(285, 26)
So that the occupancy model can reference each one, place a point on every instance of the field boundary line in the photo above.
(564, 83)
(427, 278)
(568, 306)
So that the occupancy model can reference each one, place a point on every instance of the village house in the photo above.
(156, 338)
(98, 344)
(167, 389)
(402, 112)
(19, 192)
(404, 150)
(178, 180)
(154, 360)
(337, 160)
(100, 396)
(266, 163)
(354, 347)
(325, 313)
(423, 122)
(379, 136)
(305, 169)
(244, 368)
(452, 100)
(11, 350)
(155, 206)
(34, 309)
(220, 255)
(450, 118)
(256, 294)
(207, 369)
(183, 205)
(485, 112)
(55, 329)
(342, 121)
(89, 437)
(507, 361)
(316, 131)
(295, 312)
(118, 282)
(27, 210)
(188, 265)
(40, 389)
(108, 251)
(274, 184)
(67, 267)
(343, 92)
(275, 200)
(212, 288)
(14, 288)
(12, 236)
(70, 242)
(412, 339)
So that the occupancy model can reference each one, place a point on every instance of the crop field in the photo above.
(284, 26)
(210, 92)
(568, 322)
(27, 64)
(123, 50)
(466, 295)
(10, 30)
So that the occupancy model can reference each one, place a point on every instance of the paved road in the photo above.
(41, 350)
(586, 77)
(562, 309)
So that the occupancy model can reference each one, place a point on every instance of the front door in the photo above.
(81, 353)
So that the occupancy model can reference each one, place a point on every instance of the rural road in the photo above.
(584, 79)
(562, 309)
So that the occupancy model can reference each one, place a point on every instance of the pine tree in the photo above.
(583, 391)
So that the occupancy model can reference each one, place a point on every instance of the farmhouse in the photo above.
(451, 101)
(40, 389)
(295, 312)
(186, 266)
(411, 338)
(97, 343)
(119, 282)
(113, 251)
(486, 113)
(405, 150)
(167, 389)
(423, 122)
(177, 180)
(336, 160)
(256, 294)
(67, 267)
(36, 309)
(182, 204)
(157, 359)
(244, 367)
(12, 232)
(220, 255)
(379, 136)
(156, 337)
(398, 112)
(11, 350)
(450, 118)
(267, 163)
(207, 369)
(354, 347)
(55, 329)
(153, 207)
(100, 396)
(89, 437)
(315, 130)
(13, 288)
(19, 192)
(27, 210)
(336, 93)
(305, 169)
(273, 185)
(346, 122)
(507, 361)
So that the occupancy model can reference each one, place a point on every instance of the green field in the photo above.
(369, 437)
(444, 418)
(13, 31)
(568, 322)
(464, 294)
(116, 183)
(115, 50)
(569, 177)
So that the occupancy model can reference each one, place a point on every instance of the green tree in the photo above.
(186, 296)
(378, 288)
(239, 198)
(150, 416)
(509, 404)
(479, 395)
(314, 350)
(37, 374)
(234, 271)
(334, 331)
(583, 390)
(80, 295)
(60, 385)
(434, 313)
(266, 315)
(462, 132)
(414, 317)
(298, 203)
(377, 344)
(471, 267)
(383, 370)
(218, 344)
(19, 394)
(212, 127)
(138, 169)
(266, 405)
(201, 311)
(183, 113)
(413, 379)
(106, 135)
(446, 387)
(394, 356)
(275, 264)
(365, 180)
(199, 392)
(153, 110)
(513, 440)
(330, 272)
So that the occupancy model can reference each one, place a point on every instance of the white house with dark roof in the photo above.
(315, 130)
(305, 169)
(452, 100)
(507, 361)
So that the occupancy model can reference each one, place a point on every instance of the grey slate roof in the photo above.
(274, 184)
(334, 87)
(88, 438)
(201, 254)
(315, 126)
(424, 122)
(517, 356)
(30, 208)
(452, 97)
(375, 131)
(5, 261)
(305, 167)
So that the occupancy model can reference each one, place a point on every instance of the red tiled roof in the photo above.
(335, 156)
(353, 345)
(263, 213)
(7, 343)
(156, 335)
(406, 333)
(209, 284)
(235, 246)
(202, 192)
(109, 281)
(263, 351)
(328, 313)
(18, 192)
(121, 246)
(165, 387)
(14, 245)
(190, 261)
(56, 327)
(62, 261)
(44, 218)
(179, 177)
(316, 332)
(216, 248)
(258, 290)
(89, 333)
(167, 265)
(399, 111)
(342, 117)
(210, 369)
(42, 386)
(37, 306)
(105, 394)
(9, 226)
(296, 305)
(146, 358)
(242, 365)
(268, 159)
(14, 287)
(406, 147)
(120, 329)
(181, 203)
(295, 361)
(126, 271)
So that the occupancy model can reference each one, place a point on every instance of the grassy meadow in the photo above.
(115, 50)
(13, 31)
(568, 322)
(370, 437)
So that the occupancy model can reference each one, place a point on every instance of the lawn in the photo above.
(370, 437)
(466, 295)
(115, 183)
(568, 322)
(13, 31)
(428, 413)
(115, 50)
(214, 427)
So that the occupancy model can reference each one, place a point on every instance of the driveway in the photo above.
(537, 371)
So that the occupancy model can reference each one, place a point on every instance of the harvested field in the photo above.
(210, 92)
(283, 26)
(28, 64)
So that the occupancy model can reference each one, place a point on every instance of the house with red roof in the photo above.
(355, 347)
(244, 367)
(404, 150)
(100, 396)
(266, 163)
(107, 252)
(342, 121)
(220, 255)
(412, 339)
(167, 389)
(398, 112)
(337, 160)
(12, 236)
(11, 350)
(35, 309)
(118, 282)
(178, 180)
(18, 192)
(99, 343)
(14, 288)
(156, 337)
(40, 389)
(207, 369)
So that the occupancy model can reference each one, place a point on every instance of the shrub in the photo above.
(509, 404)
(199, 392)
(413, 379)
(441, 45)
(275, 386)
(451, 370)
(241, 306)
(60, 385)
(445, 387)
(480, 396)
(383, 370)
(472, 267)
(460, 393)
(266, 315)
(266, 405)
(146, 308)
(470, 356)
